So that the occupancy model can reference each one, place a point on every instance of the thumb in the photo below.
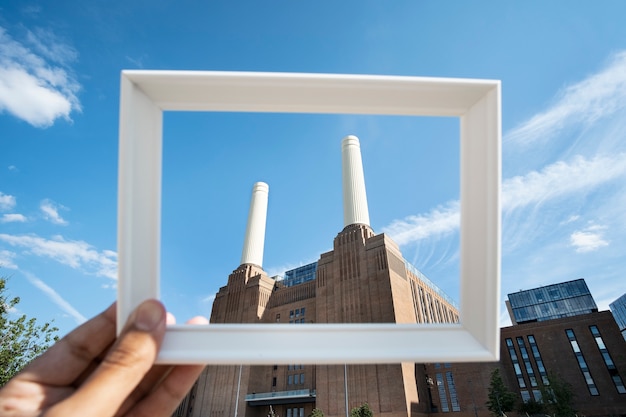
(124, 366)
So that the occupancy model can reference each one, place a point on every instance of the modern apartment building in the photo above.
(584, 349)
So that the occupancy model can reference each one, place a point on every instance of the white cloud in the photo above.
(557, 180)
(51, 212)
(597, 96)
(209, 298)
(7, 202)
(13, 218)
(439, 222)
(56, 298)
(588, 240)
(13, 168)
(6, 259)
(36, 85)
(75, 254)
(561, 178)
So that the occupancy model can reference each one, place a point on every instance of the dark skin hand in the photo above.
(92, 373)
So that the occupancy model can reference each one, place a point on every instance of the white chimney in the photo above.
(354, 198)
(255, 231)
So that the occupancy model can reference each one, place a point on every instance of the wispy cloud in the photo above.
(50, 210)
(73, 253)
(439, 221)
(209, 298)
(560, 179)
(6, 259)
(13, 218)
(7, 202)
(36, 83)
(589, 239)
(597, 96)
(55, 297)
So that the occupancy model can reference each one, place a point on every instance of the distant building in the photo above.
(618, 308)
(554, 301)
(584, 349)
(300, 275)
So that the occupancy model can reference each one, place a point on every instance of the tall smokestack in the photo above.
(354, 198)
(255, 231)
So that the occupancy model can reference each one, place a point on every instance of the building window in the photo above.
(516, 365)
(593, 390)
(538, 361)
(443, 398)
(274, 381)
(302, 378)
(526, 359)
(454, 401)
(290, 380)
(608, 361)
(277, 318)
(525, 396)
(295, 412)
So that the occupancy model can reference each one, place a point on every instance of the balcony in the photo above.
(281, 397)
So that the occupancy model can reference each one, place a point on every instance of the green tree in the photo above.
(316, 413)
(363, 411)
(21, 339)
(558, 397)
(500, 399)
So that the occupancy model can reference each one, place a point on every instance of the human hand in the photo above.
(90, 373)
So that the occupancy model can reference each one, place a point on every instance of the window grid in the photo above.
(529, 368)
(442, 393)
(581, 362)
(538, 361)
(608, 361)
(454, 401)
(516, 365)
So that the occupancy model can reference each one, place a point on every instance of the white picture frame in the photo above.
(144, 97)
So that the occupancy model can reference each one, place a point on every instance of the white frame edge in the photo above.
(146, 94)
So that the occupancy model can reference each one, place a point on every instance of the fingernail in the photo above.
(148, 315)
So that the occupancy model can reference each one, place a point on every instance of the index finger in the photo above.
(66, 360)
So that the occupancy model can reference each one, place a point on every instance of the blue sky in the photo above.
(563, 72)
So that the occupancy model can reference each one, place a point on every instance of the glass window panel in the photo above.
(608, 360)
(575, 346)
(521, 382)
(600, 342)
(619, 384)
(443, 399)
(525, 396)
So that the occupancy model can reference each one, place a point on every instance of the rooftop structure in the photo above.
(618, 308)
(549, 302)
